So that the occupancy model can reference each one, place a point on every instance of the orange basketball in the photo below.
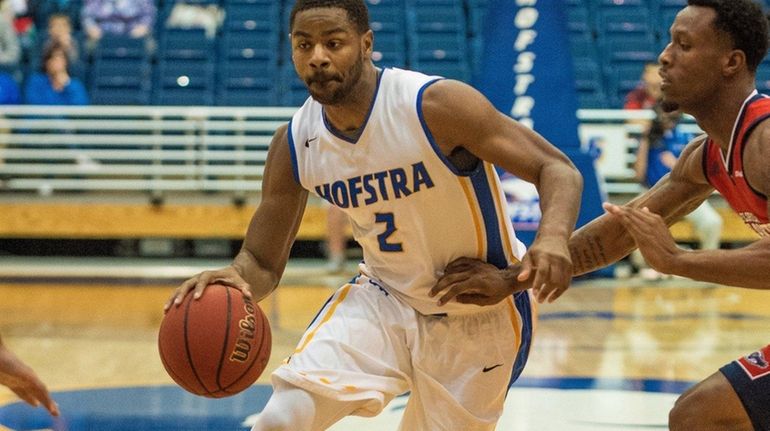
(217, 345)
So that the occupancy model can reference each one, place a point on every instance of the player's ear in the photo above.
(735, 61)
(368, 43)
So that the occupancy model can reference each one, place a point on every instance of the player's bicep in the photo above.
(682, 190)
(459, 116)
(282, 203)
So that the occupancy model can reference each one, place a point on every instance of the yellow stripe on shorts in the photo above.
(343, 293)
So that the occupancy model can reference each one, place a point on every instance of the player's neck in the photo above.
(717, 116)
(351, 114)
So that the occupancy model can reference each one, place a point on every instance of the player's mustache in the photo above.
(323, 77)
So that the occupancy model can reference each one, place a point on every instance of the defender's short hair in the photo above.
(745, 23)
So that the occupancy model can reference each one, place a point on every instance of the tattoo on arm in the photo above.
(589, 254)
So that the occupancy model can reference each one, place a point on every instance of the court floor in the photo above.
(609, 355)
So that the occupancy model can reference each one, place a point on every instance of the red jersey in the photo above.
(726, 173)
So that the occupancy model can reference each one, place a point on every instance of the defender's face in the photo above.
(328, 53)
(691, 64)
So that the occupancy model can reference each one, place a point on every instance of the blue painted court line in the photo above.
(169, 408)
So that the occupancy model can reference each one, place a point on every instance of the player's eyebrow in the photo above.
(300, 33)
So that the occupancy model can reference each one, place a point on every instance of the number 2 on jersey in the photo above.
(390, 227)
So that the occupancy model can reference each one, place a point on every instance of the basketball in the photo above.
(217, 345)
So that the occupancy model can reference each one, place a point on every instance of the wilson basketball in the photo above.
(217, 345)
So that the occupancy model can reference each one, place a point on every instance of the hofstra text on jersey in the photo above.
(371, 188)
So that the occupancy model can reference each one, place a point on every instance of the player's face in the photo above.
(328, 53)
(691, 64)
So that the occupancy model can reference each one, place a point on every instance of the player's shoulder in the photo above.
(691, 161)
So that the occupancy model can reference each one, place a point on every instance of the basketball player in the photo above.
(708, 71)
(409, 158)
(20, 378)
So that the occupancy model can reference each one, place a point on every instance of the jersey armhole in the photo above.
(293, 150)
(704, 160)
(746, 136)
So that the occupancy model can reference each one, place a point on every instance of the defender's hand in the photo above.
(24, 382)
(471, 281)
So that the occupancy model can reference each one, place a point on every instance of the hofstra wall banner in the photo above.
(526, 69)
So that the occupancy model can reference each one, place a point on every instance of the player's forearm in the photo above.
(747, 267)
(560, 189)
(598, 244)
(262, 281)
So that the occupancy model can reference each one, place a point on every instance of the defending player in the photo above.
(23, 381)
(408, 158)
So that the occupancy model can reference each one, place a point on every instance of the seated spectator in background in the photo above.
(186, 16)
(10, 52)
(42, 10)
(647, 93)
(133, 18)
(60, 32)
(9, 90)
(53, 84)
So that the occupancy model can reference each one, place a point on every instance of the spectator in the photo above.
(133, 18)
(53, 84)
(10, 52)
(647, 93)
(659, 150)
(42, 10)
(60, 32)
(184, 15)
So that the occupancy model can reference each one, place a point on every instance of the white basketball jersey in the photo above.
(411, 210)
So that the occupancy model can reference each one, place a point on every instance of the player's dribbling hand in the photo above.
(228, 276)
(548, 266)
(471, 281)
(24, 382)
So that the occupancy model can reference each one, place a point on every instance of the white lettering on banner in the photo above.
(524, 39)
(525, 20)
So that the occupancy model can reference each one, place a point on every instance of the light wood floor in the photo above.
(96, 335)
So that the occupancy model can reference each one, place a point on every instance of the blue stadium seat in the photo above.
(120, 81)
(433, 19)
(763, 78)
(247, 84)
(389, 48)
(252, 16)
(589, 83)
(185, 44)
(437, 47)
(666, 17)
(447, 69)
(628, 48)
(621, 80)
(293, 90)
(184, 82)
(588, 75)
(111, 46)
(578, 19)
(249, 44)
(592, 101)
(583, 45)
(387, 18)
(626, 19)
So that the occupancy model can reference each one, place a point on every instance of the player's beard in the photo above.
(668, 106)
(345, 89)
